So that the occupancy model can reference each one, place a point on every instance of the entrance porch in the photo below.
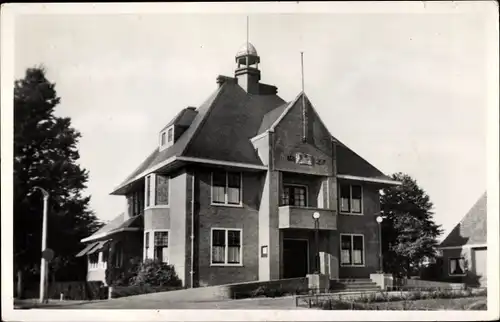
(299, 253)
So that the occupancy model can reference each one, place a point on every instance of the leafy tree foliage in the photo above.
(46, 155)
(409, 233)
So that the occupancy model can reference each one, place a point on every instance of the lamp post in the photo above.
(43, 266)
(379, 221)
(316, 216)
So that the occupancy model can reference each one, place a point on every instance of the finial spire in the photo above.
(248, 27)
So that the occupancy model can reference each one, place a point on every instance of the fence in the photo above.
(407, 284)
(76, 290)
(355, 299)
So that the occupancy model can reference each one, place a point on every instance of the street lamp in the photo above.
(43, 266)
(316, 216)
(379, 221)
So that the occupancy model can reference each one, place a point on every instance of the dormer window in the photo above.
(167, 138)
(163, 138)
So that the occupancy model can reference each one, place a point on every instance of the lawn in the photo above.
(474, 303)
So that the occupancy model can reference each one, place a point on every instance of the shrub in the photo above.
(156, 273)
(342, 305)
(78, 290)
(121, 276)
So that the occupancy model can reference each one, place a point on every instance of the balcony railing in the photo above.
(301, 217)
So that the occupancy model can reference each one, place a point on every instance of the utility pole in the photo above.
(43, 264)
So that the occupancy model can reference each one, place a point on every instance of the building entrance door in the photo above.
(295, 258)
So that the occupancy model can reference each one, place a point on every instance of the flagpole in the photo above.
(304, 112)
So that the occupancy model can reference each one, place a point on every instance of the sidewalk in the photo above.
(27, 304)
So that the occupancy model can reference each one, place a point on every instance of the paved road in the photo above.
(144, 302)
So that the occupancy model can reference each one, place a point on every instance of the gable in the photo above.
(288, 133)
(348, 162)
(472, 228)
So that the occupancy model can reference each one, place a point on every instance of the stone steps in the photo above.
(359, 290)
(354, 285)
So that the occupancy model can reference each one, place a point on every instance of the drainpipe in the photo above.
(192, 230)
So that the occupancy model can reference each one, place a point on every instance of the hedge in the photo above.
(76, 290)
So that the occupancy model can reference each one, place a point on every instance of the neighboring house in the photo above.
(464, 249)
(229, 192)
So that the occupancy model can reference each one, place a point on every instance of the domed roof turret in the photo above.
(247, 49)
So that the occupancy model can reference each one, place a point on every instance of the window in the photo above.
(294, 196)
(351, 250)
(457, 266)
(148, 190)
(226, 246)
(226, 188)
(167, 138)
(146, 244)
(161, 190)
(118, 255)
(163, 139)
(161, 246)
(157, 190)
(93, 260)
(350, 198)
(136, 202)
(170, 135)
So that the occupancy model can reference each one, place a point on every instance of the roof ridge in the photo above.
(477, 203)
(203, 120)
(285, 112)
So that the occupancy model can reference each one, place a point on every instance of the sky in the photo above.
(405, 91)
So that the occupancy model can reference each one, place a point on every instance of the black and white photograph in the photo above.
(263, 161)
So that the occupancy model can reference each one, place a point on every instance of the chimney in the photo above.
(221, 79)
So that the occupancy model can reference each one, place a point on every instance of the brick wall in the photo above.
(363, 224)
(288, 141)
(245, 218)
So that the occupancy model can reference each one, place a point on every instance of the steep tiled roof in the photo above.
(471, 229)
(230, 124)
(349, 162)
(271, 117)
(224, 124)
(119, 222)
(158, 156)
(183, 118)
(112, 225)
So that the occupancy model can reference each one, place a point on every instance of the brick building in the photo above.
(229, 193)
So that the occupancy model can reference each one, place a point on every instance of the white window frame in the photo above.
(92, 266)
(167, 142)
(145, 251)
(457, 258)
(102, 264)
(350, 212)
(226, 247)
(226, 203)
(152, 243)
(352, 250)
(297, 185)
(152, 196)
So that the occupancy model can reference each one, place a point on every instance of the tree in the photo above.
(46, 155)
(409, 231)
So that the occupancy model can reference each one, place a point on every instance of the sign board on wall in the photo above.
(305, 159)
